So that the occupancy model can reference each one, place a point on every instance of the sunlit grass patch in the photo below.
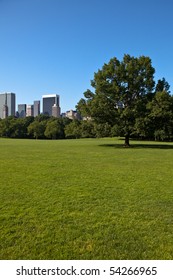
(85, 199)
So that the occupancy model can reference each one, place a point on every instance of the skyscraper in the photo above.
(7, 104)
(29, 110)
(5, 108)
(50, 101)
(55, 111)
(22, 110)
(36, 108)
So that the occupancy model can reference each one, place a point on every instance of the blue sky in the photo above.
(55, 46)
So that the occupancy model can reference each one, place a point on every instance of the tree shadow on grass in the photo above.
(139, 146)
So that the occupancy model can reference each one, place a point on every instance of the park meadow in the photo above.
(86, 199)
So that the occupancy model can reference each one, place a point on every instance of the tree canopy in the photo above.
(121, 90)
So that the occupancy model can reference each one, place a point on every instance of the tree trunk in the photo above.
(126, 143)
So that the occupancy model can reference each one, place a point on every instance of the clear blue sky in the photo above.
(55, 46)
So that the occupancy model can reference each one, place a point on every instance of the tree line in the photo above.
(155, 122)
(45, 127)
(125, 101)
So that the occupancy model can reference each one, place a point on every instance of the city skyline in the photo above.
(33, 109)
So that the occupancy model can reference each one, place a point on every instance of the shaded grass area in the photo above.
(140, 146)
(85, 199)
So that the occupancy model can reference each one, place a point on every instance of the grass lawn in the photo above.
(86, 199)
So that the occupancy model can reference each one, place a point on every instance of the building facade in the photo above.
(50, 102)
(29, 111)
(7, 104)
(55, 111)
(36, 108)
(71, 114)
(22, 110)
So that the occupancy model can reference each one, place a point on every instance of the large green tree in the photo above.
(121, 88)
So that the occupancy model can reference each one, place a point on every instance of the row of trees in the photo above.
(125, 102)
(43, 127)
(155, 122)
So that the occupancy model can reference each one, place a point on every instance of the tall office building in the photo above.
(29, 110)
(55, 111)
(22, 110)
(36, 108)
(7, 104)
(50, 101)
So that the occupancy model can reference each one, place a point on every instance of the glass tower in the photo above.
(49, 101)
(7, 104)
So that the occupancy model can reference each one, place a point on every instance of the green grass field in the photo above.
(86, 199)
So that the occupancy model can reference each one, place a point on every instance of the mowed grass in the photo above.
(85, 199)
